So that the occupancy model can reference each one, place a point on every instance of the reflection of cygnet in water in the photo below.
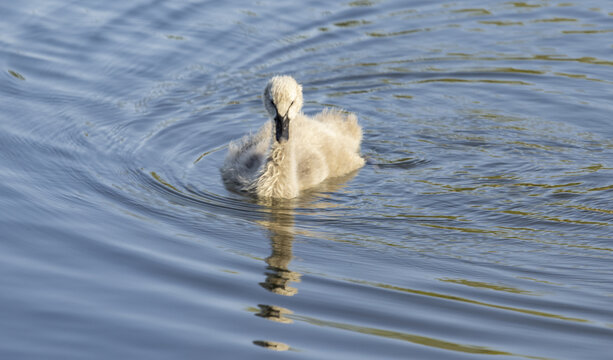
(272, 345)
(292, 152)
(275, 313)
(279, 277)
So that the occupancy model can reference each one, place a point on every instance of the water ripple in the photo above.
(481, 223)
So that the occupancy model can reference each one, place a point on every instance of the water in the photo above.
(481, 227)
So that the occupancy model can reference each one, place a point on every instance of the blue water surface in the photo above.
(481, 226)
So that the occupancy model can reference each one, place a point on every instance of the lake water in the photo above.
(481, 226)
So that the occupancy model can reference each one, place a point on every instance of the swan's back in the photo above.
(333, 137)
(344, 125)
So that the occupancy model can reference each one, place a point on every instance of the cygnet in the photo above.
(292, 151)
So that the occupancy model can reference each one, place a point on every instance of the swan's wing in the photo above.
(245, 157)
(251, 142)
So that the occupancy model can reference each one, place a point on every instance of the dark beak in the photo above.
(281, 128)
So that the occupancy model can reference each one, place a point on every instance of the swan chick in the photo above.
(292, 151)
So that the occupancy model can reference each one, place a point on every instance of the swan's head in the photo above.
(283, 101)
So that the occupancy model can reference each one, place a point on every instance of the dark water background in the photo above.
(482, 226)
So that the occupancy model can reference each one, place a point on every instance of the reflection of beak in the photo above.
(281, 128)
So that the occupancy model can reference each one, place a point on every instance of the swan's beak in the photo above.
(281, 128)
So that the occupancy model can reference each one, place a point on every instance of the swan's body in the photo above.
(292, 152)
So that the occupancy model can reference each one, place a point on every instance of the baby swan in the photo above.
(292, 152)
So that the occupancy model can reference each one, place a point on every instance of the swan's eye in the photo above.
(272, 103)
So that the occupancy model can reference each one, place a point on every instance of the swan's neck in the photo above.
(279, 178)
